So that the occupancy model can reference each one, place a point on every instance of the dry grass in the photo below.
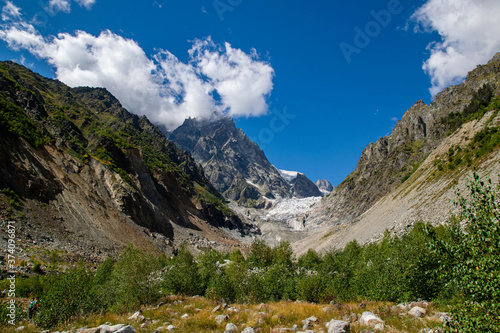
(262, 317)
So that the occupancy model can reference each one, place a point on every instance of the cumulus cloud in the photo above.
(240, 79)
(216, 78)
(469, 36)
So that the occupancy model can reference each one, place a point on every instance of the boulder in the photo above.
(371, 320)
(217, 308)
(231, 328)
(308, 322)
(338, 326)
(417, 312)
(221, 318)
(171, 328)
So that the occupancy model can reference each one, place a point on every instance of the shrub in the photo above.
(70, 295)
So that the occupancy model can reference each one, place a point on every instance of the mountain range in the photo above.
(80, 173)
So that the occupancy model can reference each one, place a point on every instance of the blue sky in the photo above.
(298, 77)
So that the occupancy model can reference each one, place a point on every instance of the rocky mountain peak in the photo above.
(236, 165)
(324, 186)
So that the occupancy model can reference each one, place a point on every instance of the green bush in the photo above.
(182, 275)
(131, 278)
(472, 256)
(70, 295)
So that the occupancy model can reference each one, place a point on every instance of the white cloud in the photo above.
(470, 36)
(242, 81)
(60, 6)
(10, 12)
(217, 79)
(86, 3)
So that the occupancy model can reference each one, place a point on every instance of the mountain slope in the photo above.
(235, 165)
(93, 177)
(410, 174)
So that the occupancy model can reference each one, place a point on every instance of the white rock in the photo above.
(126, 329)
(338, 326)
(221, 318)
(137, 316)
(184, 316)
(417, 311)
(106, 328)
(171, 328)
(20, 328)
(231, 328)
(371, 320)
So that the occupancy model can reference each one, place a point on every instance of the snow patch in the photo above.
(288, 175)
(290, 211)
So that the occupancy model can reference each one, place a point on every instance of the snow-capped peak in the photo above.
(288, 175)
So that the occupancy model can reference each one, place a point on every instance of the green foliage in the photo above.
(182, 275)
(130, 278)
(15, 121)
(481, 103)
(310, 260)
(260, 255)
(471, 256)
(14, 199)
(70, 295)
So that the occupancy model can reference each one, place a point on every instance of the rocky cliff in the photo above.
(81, 173)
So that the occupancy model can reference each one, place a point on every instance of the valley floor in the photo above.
(198, 314)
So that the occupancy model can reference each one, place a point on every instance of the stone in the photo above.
(308, 322)
(338, 326)
(417, 312)
(217, 308)
(137, 316)
(232, 309)
(145, 324)
(371, 320)
(126, 329)
(171, 328)
(248, 330)
(20, 328)
(231, 328)
(221, 318)
(107, 328)
(184, 316)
